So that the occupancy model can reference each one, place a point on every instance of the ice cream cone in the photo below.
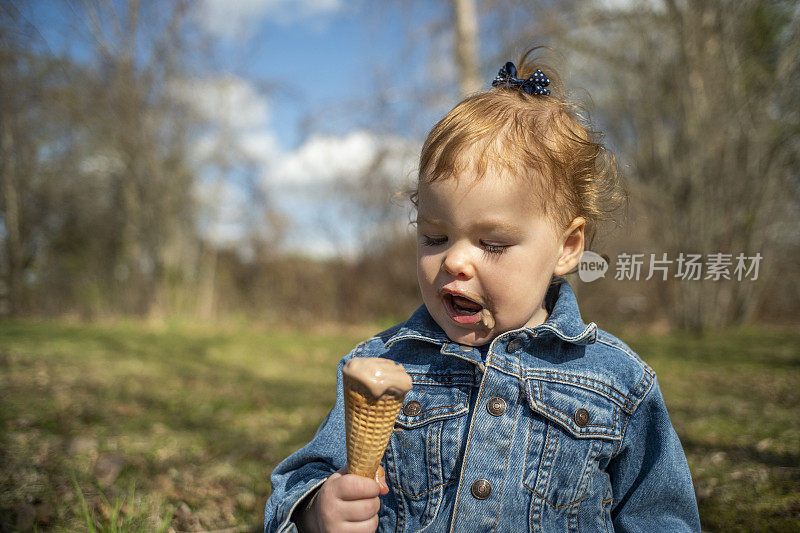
(370, 413)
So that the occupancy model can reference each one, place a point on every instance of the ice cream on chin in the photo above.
(374, 389)
(487, 319)
(379, 376)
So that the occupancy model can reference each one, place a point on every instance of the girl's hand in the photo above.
(345, 503)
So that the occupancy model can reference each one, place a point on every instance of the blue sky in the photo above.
(322, 70)
(332, 56)
(312, 61)
(327, 65)
(308, 91)
(311, 52)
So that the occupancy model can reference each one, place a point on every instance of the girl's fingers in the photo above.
(352, 487)
(360, 510)
(366, 526)
(380, 477)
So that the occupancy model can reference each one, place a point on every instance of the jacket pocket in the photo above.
(572, 432)
(422, 456)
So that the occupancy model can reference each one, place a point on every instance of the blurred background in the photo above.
(199, 197)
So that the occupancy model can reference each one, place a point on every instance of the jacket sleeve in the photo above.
(652, 486)
(300, 474)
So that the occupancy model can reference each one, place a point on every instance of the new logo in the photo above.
(592, 266)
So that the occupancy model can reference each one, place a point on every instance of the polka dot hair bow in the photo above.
(534, 85)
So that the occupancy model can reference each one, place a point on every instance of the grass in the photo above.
(734, 399)
(127, 428)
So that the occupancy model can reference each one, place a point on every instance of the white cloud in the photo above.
(303, 181)
(238, 18)
(260, 146)
(237, 141)
(237, 120)
(320, 247)
(229, 101)
(324, 159)
(628, 5)
(234, 141)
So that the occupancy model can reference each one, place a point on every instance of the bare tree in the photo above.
(26, 124)
(702, 102)
(465, 45)
(10, 203)
(141, 47)
(97, 189)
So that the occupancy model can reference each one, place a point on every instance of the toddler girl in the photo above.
(522, 417)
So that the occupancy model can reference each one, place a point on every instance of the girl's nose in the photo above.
(457, 262)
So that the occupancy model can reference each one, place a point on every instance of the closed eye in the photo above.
(428, 240)
(494, 249)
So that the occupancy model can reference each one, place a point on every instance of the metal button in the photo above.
(481, 489)
(412, 408)
(582, 417)
(514, 345)
(496, 406)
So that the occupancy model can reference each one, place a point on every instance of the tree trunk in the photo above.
(16, 257)
(466, 46)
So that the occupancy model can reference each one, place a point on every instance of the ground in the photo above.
(127, 427)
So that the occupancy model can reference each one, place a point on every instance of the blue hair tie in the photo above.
(534, 85)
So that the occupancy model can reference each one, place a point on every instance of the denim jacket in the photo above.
(560, 427)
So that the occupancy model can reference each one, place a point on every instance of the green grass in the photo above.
(195, 418)
(128, 428)
(734, 399)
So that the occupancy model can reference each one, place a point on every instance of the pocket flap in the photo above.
(581, 412)
(435, 403)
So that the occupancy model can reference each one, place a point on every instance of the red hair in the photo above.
(544, 140)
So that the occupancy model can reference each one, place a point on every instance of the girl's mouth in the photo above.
(462, 309)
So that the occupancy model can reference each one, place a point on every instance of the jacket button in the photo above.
(514, 345)
(481, 489)
(496, 406)
(412, 408)
(582, 417)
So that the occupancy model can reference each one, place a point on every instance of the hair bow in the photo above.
(534, 85)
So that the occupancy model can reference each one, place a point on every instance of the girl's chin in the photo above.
(467, 335)
(472, 332)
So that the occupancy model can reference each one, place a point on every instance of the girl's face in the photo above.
(485, 258)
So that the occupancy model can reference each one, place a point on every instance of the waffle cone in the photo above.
(368, 423)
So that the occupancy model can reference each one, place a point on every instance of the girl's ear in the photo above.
(572, 246)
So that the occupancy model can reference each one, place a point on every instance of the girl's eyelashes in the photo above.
(433, 241)
(494, 249)
(488, 248)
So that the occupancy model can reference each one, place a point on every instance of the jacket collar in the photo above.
(564, 321)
